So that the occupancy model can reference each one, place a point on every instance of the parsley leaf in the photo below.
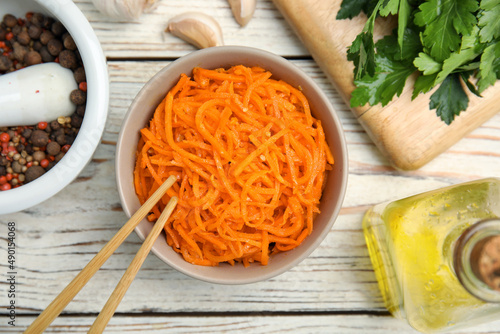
(352, 8)
(444, 21)
(455, 60)
(423, 84)
(469, 50)
(411, 45)
(426, 64)
(388, 81)
(403, 17)
(449, 99)
(389, 7)
(489, 68)
(465, 77)
(447, 42)
(362, 54)
(402, 8)
(362, 50)
(489, 20)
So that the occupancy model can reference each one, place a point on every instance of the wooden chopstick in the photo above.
(70, 291)
(110, 307)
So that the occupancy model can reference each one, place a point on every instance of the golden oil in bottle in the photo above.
(412, 244)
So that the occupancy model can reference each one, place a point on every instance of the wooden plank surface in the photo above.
(56, 239)
(332, 291)
(257, 324)
(406, 131)
(145, 38)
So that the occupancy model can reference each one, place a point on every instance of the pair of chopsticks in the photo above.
(62, 300)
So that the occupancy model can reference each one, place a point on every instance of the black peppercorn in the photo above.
(37, 46)
(5, 63)
(20, 51)
(54, 125)
(55, 47)
(29, 149)
(16, 30)
(46, 56)
(34, 31)
(70, 139)
(16, 167)
(61, 139)
(79, 75)
(51, 164)
(26, 133)
(53, 148)
(9, 20)
(67, 58)
(46, 36)
(20, 147)
(78, 97)
(69, 43)
(76, 121)
(23, 38)
(57, 28)
(80, 110)
(47, 22)
(33, 173)
(32, 58)
(39, 138)
(38, 19)
(59, 156)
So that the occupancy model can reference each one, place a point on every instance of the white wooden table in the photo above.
(332, 291)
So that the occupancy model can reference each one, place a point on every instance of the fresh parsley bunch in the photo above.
(450, 43)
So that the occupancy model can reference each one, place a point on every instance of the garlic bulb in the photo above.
(242, 10)
(199, 29)
(124, 9)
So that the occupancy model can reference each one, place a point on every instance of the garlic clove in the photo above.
(199, 29)
(242, 10)
(124, 9)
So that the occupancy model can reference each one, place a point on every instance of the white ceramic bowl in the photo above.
(83, 148)
(141, 110)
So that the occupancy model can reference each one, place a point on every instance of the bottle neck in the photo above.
(477, 260)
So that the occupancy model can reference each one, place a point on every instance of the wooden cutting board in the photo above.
(407, 132)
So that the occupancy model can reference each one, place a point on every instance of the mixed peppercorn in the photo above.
(27, 152)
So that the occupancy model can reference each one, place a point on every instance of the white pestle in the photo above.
(36, 93)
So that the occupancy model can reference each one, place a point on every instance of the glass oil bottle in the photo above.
(436, 255)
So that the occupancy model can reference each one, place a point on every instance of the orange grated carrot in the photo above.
(250, 160)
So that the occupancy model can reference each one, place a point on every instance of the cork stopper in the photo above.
(486, 257)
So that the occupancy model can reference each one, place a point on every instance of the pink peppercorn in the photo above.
(4, 137)
(42, 125)
(44, 163)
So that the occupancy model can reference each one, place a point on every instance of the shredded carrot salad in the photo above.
(250, 161)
